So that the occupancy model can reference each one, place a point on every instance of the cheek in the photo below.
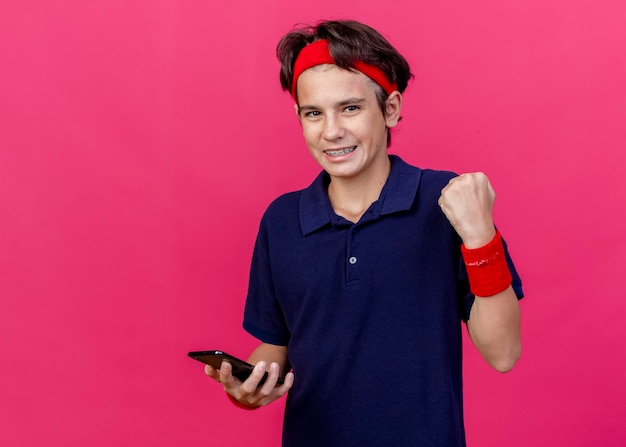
(377, 126)
(309, 132)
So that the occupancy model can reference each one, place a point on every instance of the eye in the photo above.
(352, 108)
(312, 114)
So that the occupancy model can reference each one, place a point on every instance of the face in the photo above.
(343, 124)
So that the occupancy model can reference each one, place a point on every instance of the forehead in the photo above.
(330, 82)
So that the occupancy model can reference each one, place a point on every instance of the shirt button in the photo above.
(352, 260)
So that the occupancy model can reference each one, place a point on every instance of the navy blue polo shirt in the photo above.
(370, 312)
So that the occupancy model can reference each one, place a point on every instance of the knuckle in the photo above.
(264, 393)
(246, 388)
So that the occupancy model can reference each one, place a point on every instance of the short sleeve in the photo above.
(263, 317)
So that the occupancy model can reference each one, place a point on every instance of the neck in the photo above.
(351, 197)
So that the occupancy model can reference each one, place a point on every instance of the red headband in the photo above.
(317, 53)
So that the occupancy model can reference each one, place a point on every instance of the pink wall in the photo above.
(140, 142)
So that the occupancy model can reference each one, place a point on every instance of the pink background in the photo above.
(140, 142)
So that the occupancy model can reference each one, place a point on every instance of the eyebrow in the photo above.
(345, 102)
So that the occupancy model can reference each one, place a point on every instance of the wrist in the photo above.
(487, 270)
(477, 239)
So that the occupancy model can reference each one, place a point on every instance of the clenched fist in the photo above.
(467, 202)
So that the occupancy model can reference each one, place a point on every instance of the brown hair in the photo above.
(348, 41)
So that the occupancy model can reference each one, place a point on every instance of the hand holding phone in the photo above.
(240, 369)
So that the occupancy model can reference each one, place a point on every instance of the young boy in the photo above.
(359, 283)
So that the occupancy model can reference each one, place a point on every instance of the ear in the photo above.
(297, 110)
(393, 107)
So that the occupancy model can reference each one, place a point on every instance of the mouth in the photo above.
(339, 152)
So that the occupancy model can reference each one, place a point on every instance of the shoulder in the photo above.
(429, 181)
(435, 179)
(427, 177)
(302, 209)
(283, 206)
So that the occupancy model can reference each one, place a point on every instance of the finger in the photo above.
(252, 383)
(451, 182)
(444, 193)
(213, 373)
(278, 391)
(286, 386)
(492, 191)
(440, 202)
(454, 182)
(272, 378)
(226, 376)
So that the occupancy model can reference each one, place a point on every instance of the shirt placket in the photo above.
(352, 260)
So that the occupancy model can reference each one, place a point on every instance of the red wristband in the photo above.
(487, 269)
(239, 404)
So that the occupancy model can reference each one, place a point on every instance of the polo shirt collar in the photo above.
(398, 194)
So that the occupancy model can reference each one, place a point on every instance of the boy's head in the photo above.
(349, 45)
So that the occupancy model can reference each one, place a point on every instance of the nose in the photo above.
(333, 128)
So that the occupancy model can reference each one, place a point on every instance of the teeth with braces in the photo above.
(341, 151)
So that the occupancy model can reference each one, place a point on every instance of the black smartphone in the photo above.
(241, 369)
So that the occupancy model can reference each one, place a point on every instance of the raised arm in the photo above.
(494, 323)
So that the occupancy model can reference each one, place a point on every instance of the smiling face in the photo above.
(343, 124)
